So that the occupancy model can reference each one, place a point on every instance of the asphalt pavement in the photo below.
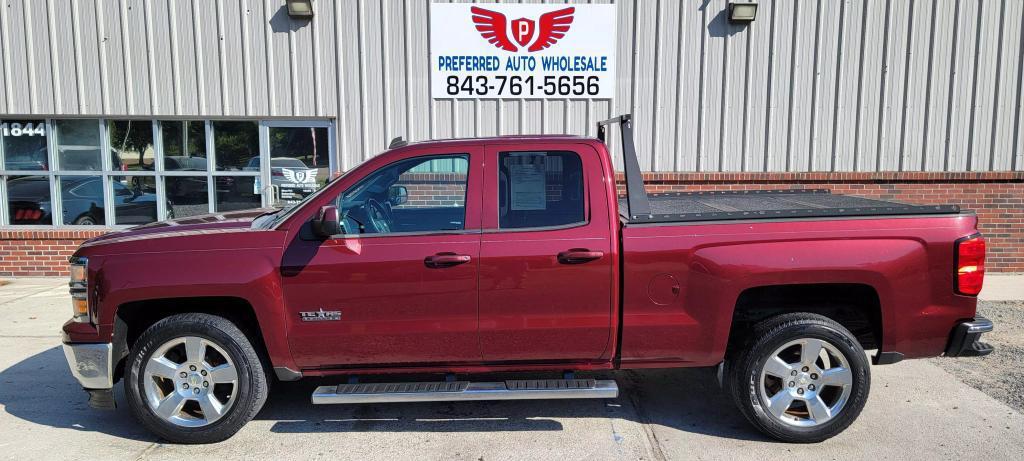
(916, 410)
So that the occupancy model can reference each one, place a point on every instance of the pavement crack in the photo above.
(147, 451)
(29, 336)
(44, 290)
(645, 422)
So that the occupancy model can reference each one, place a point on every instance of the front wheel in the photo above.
(804, 378)
(195, 378)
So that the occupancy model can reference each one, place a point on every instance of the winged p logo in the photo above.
(550, 28)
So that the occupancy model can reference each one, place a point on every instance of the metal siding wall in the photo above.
(847, 85)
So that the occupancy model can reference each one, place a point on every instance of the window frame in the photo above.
(499, 150)
(468, 155)
(158, 173)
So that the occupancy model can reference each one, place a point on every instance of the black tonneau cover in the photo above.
(766, 204)
(639, 207)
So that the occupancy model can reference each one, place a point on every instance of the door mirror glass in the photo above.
(398, 195)
(327, 222)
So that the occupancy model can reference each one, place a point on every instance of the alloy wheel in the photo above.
(806, 382)
(190, 381)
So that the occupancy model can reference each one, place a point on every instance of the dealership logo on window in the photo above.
(492, 26)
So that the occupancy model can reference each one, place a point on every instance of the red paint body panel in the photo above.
(513, 307)
(908, 261)
(395, 310)
(533, 308)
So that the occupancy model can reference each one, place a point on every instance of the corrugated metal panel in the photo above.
(823, 86)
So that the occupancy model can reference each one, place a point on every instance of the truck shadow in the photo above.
(683, 399)
(40, 390)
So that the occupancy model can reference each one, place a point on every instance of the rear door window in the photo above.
(540, 189)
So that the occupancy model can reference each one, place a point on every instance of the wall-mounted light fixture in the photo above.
(742, 12)
(300, 8)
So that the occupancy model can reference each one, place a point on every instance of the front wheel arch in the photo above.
(133, 318)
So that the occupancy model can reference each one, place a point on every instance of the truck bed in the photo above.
(769, 204)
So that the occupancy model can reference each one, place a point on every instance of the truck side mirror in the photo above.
(328, 222)
(398, 195)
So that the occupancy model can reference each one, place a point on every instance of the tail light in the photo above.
(970, 265)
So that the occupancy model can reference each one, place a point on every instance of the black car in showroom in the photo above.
(82, 199)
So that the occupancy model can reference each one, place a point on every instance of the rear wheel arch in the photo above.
(855, 306)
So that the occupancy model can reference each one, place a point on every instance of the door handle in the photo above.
(442, 260)
(579, 256)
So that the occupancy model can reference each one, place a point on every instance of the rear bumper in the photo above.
(964, 339)
(91, 364)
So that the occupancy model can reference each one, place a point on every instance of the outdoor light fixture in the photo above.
(300, 8)
(742, 12)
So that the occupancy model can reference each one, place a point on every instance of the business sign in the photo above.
(499, 51)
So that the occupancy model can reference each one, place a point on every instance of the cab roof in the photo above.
(506, 139)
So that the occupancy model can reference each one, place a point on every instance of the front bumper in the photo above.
(91, 364)
(963, 341)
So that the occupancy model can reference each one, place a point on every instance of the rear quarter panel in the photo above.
(908, 261)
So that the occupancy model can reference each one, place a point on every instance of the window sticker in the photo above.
(528, 181)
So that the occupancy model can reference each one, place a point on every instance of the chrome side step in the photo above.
(464, 390)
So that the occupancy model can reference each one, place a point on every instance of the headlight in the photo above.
(79, 287)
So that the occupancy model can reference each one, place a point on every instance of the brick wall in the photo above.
(997, 197)
(428, 190)
(39, 253)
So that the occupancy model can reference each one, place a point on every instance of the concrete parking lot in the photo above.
(917, 410)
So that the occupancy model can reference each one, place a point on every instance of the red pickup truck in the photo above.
(515, 254)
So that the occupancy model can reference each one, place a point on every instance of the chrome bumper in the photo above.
(91, 364)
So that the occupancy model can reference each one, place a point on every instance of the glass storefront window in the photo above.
(186, 196)
(236, 193)
(124, 172)
(299, 161)
(24, 145)
(236, 144)
(135, 200)
(82, 200)
(28, 200)
(131, 144)
(78, 145)
(184, 144)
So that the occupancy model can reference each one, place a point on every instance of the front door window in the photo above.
(420, 194)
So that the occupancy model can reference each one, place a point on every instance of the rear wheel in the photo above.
(195, 378)
(804, 378)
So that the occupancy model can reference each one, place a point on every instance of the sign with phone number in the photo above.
(499, 51)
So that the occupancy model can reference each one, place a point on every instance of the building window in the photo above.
(120, 172)
(78, 145)
(24, 145)
(184, 145)
(131, 145)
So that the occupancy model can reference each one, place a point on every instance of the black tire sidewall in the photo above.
(247, 400)
(750, 400)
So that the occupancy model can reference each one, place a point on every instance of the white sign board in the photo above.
(513, 51)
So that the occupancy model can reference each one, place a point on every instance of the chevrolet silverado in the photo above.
(465, 258)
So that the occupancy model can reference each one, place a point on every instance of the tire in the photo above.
(225, 348)
(85, 220)
(825, 399)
